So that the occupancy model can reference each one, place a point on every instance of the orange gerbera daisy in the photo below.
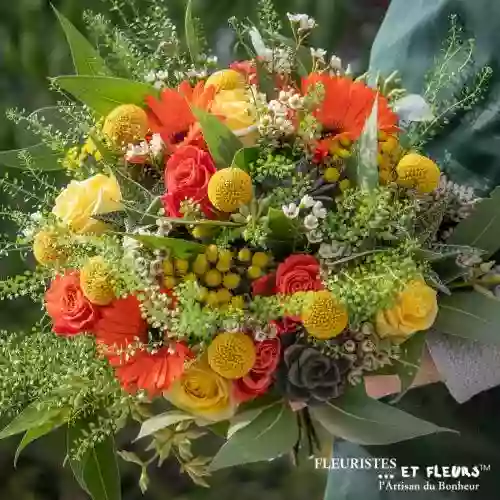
(154, 371)
(171, 115)
(346, 107)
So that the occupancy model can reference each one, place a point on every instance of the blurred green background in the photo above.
(32, 47)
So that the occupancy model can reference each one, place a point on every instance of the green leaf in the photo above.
(130, 457)
(31, 417)
(162, 421)
(97, 472)
(367, 164)
(273, 433)
(42, 158)
(37, 432)
(358, 418)
(244, 157)
(265, 80)
(190, 33)
(281, 228)
(104, 93)
(470, 315)
(482, 228)
(221, 141)
(181, 249)
(86, 59)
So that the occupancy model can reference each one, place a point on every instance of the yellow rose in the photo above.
(415, 310)
(239, 113)
(200, 391)
(81, 200)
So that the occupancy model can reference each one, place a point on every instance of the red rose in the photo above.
(70, 311)
(286, 325)
(187, 174)
(265, 285)
(259, 378)
(299, 273)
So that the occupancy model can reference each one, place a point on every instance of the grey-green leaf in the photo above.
(104, 93)
(180, 248)
(221, 141)
(470, 315)
(363, 420)
(270, 435)
(482, 228)
(86, 59)
(162, 421)
(190, 33)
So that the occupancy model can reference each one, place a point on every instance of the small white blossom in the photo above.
(296, 102)
(291, 211)
(311, 222)
(305, 22)
(156, 145)
(278, 108)
(136, 150)
(36, 216)
(150, 77)
(349, 71)
(315, 236)
(335, 63)
(318, 54)
(307, 201)
(212, 59)
(319, 210)
(158, 84)
(162, 75)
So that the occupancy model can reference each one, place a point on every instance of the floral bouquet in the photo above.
(234, 249)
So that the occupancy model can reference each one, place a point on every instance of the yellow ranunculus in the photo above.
(200, 391)
(415, 310)
(81, 200)
(226, 79)
(239, 113)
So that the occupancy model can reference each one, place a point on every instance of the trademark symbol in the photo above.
(484, 467)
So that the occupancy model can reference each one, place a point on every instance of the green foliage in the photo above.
(162, 421)
(103, 93)
(190, 33)
(272, 433)
(86, 59)
(223, 144)
(38, 156)
(178, 247)
(364, 420)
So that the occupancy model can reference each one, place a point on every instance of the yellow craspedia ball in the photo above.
(200, 264)
(238, 302)
(231, 355)
(331, 175)
(126, 124)
(323, 317)
(96, 281)
(226, 79)
(47, 249)
(419, 172)
(212, 253)
(223, 296)
(181, 266)
(169, 282)
(244, 255)
(231, 281)
(213, 278)
(229, 189)
(260, 259)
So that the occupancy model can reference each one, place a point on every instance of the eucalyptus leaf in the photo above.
(470, 315)
(221, 141)
(40, 157)
(413, 108)
(104, 93)
(159, 422)
(35, 433)
(86, 59)
(270, 435)
(97, 472)
(482, 228)
(364, 420)
(33, 416)
(181, 249)
(190, 33)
